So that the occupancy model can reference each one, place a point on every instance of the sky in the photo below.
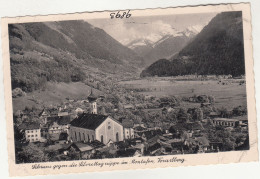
(127, 30)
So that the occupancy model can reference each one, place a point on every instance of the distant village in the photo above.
(68, 133)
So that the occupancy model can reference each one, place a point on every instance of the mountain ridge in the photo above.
(164, 45)
(218, 49)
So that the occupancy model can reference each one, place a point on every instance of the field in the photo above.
(230, 94)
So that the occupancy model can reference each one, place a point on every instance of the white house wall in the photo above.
(33, 135)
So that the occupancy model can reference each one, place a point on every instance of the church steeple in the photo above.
(93, 102)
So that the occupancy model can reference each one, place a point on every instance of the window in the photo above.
(31, 131)
(84, 137)
(32, 140)
(28, 131)
(117, 137)
(32, 135)
(88, 138)
(93, 138)
(28, 135)
(36, 135)
(102, 139)
(109, 127)
(79, 137)
(75, 136)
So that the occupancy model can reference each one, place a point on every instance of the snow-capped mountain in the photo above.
(164, 44)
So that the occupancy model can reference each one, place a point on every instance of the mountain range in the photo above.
(218, 49)
(164, 44)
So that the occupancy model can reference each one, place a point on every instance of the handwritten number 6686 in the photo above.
(119, 15)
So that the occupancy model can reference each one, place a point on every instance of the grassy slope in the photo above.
(55, 93)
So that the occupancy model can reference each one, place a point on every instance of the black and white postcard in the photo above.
(129, 89)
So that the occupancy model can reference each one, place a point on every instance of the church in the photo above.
(91, 126)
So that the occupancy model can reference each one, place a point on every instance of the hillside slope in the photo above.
(218, 49)
(64, 51)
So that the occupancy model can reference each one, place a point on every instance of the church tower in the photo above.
(93, 102)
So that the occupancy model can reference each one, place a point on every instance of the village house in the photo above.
(58, 124)
(31, 130)
(85, 150)
(93, 126)
(128, 129)
(226, 122)
(43, 115)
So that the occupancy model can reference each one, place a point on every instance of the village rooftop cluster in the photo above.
(67, 133)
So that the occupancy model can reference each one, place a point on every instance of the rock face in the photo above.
(218, 50)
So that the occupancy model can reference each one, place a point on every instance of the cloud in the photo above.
(125, 32)
(150, 28)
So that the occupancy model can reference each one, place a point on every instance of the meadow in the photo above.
(53, 94)
(230, 94)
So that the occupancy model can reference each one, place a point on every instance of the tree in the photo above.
(223, 112)
(31, 154)
(225, 137)
(73, 154)
(239, 111)
(211, 99)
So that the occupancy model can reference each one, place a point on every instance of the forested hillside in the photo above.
(218, 49)
(62, 52)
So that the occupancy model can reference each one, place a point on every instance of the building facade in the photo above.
(33, 135)
(90, 127)
(226, 122)
(32, 131)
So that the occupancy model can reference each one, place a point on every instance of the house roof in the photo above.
(96, 144)
(128, 106)
(127, 123)
(88, 121)
(61, 120)
(44, 112)
(152, 133)
(29, 126)
(83, 147)
(139, 128)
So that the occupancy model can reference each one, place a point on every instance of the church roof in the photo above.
(88, 121)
